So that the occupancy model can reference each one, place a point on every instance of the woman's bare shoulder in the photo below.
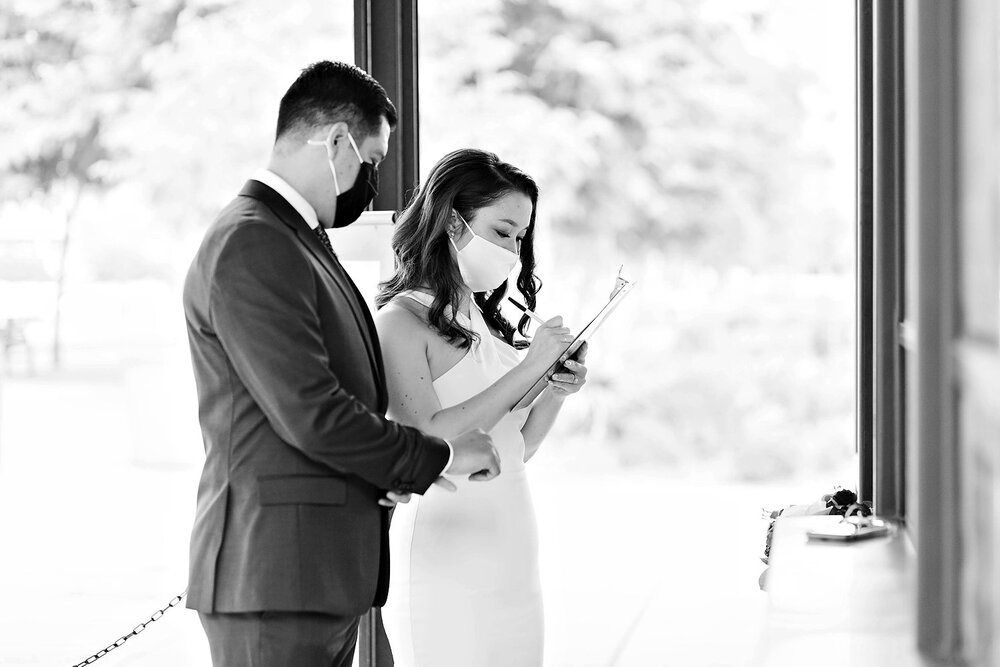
(401, 318)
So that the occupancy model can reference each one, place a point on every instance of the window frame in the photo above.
(385, 46)
(880, 230)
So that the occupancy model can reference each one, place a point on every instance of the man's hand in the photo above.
(475, 456)
(473, 453)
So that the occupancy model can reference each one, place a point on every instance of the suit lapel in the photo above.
(362, 316)
(373, 345)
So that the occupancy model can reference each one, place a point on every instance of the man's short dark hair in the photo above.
(330, 92)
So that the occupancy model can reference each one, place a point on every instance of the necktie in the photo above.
(324, 239)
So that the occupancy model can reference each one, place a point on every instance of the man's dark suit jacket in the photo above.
(291, 395)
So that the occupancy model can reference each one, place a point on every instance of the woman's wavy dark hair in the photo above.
(465, 181)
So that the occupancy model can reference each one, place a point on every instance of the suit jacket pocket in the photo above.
(301, 490)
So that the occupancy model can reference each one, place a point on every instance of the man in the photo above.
(289, 545)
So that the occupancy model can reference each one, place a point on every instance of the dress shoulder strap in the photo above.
(427, 301)
(420, 297)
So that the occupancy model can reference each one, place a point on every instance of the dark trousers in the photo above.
(279, 639)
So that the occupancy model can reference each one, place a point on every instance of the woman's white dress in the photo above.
(464, 588)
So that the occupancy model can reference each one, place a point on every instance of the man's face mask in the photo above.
(352, 202)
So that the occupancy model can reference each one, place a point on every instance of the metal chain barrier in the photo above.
(136, 630)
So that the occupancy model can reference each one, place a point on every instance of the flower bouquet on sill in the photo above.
(842, 502)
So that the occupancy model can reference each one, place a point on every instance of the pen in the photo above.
(527, 312)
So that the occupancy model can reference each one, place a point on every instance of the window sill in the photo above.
(838, 603)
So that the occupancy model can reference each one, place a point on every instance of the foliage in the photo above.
(208, 122)
(161, 108)
(652, 127)
(694, 140)
(747, 375)
(70, 68)
(688, 140)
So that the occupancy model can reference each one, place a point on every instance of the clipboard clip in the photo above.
(621, 288)
(621, 282)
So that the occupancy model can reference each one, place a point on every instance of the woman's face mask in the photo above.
(483, 264)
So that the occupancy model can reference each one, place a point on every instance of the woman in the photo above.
(465, 586)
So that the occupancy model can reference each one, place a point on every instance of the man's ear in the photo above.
(338, 134)
(333, 135)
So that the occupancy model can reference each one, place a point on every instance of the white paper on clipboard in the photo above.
(622, 288)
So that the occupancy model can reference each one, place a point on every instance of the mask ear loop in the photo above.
(474, 350)
(355, 147)
(329, 156)
(467, 225)
(451, 234)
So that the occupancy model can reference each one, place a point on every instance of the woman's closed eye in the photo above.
(505, 236)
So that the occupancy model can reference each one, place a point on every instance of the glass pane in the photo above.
(707, 146)
(125, 127)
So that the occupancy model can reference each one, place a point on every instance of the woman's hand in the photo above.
(394, 497)
(550, 340)
(571, 378)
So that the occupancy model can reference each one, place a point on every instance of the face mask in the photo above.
(353, 202)
(484, 265)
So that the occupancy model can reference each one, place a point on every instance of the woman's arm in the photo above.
(546, 408)
(540, 420)
(405, 338)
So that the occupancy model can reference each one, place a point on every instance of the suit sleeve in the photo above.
(263, 309)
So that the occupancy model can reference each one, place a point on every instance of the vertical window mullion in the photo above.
(385, 45)
(865, 373)
(887, 173)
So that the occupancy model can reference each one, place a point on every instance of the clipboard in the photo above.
(618, 294)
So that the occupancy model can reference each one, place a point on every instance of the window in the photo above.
(125, 128)
(706, 146)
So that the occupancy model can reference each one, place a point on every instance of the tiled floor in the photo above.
(97, 486)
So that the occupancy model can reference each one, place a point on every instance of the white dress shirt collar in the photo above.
(291, 195)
